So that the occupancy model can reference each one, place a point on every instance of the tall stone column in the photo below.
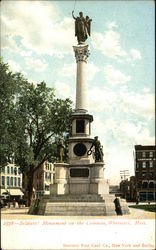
(81, 55)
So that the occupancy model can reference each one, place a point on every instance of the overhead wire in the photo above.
(74, 5)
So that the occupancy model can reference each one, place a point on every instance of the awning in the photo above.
(3, 191)
(15, 192)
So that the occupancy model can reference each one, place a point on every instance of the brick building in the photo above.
(145, 172)
(128, 189)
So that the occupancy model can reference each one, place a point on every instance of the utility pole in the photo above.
(124, 174)
(124, 184)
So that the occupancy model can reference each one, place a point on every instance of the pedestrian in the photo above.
(14, 203)
(118, 206)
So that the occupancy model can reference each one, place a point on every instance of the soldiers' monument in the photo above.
(79, 187)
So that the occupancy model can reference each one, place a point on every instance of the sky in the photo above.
(37, 39)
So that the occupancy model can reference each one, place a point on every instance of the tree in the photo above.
(10, 85)
(36, 118)
(42, 119)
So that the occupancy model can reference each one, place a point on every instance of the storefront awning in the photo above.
(3, 191)
(15, 192)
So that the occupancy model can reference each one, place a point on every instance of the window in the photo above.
(145, 185)
(144, 164)
(138, 185)
(151, 164)
(12, 170)
(137, 165)
(15, 181)
(143, 175)
(8, 170)
(150, 154)
(3, 169)
(8, 181)
(11, 181)
(19, 182)
(151, 185)
(151, 175)
(137, 175)
(15, 171)
(80, 126)
(143, 154)
(46, 187)
(3, 181)
(142, 196)
(150, 196)
(19, 171)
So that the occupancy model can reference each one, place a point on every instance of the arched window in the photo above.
(151, 184)
(145, 185)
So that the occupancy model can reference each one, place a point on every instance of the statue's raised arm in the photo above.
(82, 27)
(73, 15)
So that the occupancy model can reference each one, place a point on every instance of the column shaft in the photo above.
(81, 54)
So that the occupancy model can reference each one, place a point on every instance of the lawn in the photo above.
(149, 208)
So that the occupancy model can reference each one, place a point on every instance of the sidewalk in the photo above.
(133, 231)
(21, 213)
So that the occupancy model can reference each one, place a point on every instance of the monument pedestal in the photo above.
(83, 192)
(61, 184)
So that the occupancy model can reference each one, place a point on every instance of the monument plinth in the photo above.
(79, 187)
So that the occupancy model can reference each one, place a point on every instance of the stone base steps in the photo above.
(77, 205)
(76, 209)
(74, 198)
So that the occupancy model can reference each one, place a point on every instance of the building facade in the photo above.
(43, 178)
(11, 181)
(145, 172)
(128, 189)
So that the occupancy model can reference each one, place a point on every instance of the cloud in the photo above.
(101, 99)
(38, 26)
(108, 44)
(138, 103)
(112, 25)
(64, 90)
(35, 64)
(7, 42)
(25, 53)
(14, 66)
(135, 54)
(68, 70)
(92, 69)
(114, 76)
(129, 133)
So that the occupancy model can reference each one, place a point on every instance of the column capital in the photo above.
(81, 52)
